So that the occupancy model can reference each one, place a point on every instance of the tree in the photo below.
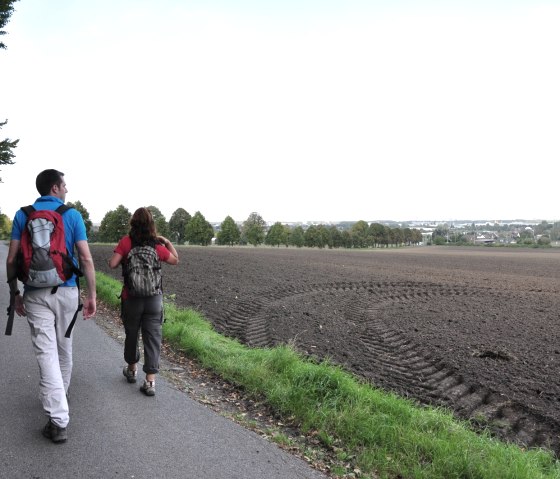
(526, 236)
(178, 224)
(161, 223)
(360, 234)
(229, 233)
(6, 146)
(555, 232)
(114, 225)
(543, 228)
(85, 215)
(287, 235)
(297, 237)
(441, 231)
(5, 226)
(310, 236)
(253, 229)
(199, 231)
(377, 234)
(6, 10)
(276, 235)
(323, 237)
(407, 235)
(346, 239)
(416, 236)
(397, 236)
(544, 241)
(335, 240)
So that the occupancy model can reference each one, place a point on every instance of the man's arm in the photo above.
(11, 264)
(11, 273)
(87, 267)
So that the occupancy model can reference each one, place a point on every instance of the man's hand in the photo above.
(89, 309)
(19, 307)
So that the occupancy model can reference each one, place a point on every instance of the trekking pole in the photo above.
(11, 311)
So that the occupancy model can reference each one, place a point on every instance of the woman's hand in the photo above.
(173, 257)
(163, 240)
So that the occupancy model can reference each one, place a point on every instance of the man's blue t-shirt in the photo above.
(74, 227)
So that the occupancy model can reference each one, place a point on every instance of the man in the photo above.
(50, 313)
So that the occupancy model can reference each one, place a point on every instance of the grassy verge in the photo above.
(386, 436)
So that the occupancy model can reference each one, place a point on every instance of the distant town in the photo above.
(517, 231)
(353, 234)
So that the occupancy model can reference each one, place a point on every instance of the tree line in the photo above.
(184, 228)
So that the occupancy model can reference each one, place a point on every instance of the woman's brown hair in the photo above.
(142, 228)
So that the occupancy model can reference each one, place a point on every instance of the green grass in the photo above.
(387, 436)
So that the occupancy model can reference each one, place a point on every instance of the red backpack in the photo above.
(43, 260)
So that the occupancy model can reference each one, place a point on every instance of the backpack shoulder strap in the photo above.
(63, 209)
(30, 209)
(27, 209)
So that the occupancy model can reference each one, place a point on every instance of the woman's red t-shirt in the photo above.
(124, 247)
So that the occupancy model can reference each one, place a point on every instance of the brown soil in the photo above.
(471, 329)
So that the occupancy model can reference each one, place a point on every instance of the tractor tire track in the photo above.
(395, 361)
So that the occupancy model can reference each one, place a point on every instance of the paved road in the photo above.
(115, 431)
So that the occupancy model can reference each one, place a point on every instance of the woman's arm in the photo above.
(173, 256)
(115, 260)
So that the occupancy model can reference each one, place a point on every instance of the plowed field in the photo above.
(472, 329)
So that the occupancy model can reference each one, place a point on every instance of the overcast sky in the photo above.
(297, 110)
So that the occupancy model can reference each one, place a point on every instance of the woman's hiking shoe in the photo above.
(148, 388)
(54, 433)
(129, 374)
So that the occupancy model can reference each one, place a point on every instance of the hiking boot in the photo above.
(148, 388)
(129, 374)
(54, 433)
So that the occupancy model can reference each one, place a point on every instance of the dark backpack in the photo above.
(142, 272)
(43, 260)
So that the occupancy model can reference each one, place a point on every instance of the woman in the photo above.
(144, 313)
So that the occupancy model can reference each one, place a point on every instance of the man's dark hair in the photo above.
(47, 179)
